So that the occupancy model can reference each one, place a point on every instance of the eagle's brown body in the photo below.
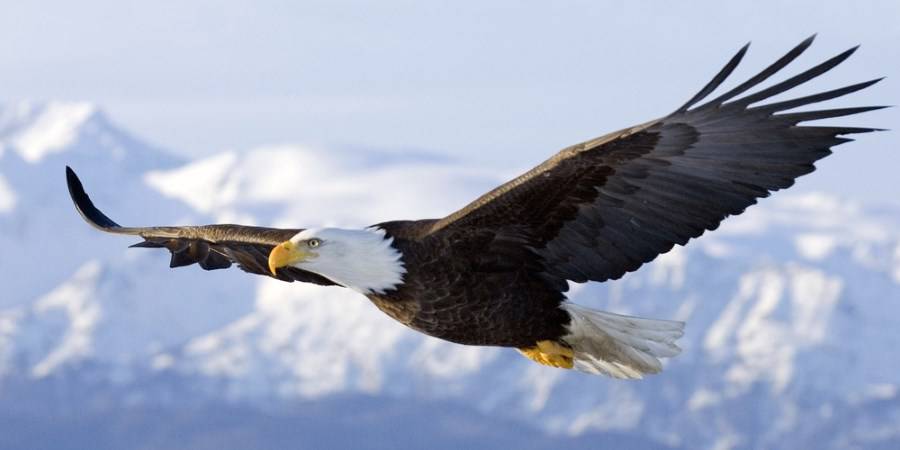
(445, 271)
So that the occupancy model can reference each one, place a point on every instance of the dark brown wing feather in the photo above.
(210, 246)
(602, 208)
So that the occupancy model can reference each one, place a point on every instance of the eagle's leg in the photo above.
(550, 353)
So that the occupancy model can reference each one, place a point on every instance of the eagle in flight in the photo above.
(496, 272)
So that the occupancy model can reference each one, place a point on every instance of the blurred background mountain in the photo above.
(791, 307)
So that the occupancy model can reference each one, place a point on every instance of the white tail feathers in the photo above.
(620, 346)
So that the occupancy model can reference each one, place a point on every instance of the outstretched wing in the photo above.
(604, 207)
(210, 246)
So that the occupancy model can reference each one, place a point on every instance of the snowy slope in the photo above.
(36, 142)
(790, 307)
(68, 294)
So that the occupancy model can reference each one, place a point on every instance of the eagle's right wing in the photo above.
(210, 246)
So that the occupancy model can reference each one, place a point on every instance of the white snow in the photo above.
(896, 269)
(776, 315)
(703, 398)
(7, 196)
(621, 412)
(814, 295)
(56, 126)
(540, 382)
(204, 185)
(670, 268)
(162, 361)
(883, 391)
(312, 187)
(312, 336)
(815, 246)
(74, 300)
(9, 324)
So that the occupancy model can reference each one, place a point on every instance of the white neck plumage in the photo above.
(362, 260)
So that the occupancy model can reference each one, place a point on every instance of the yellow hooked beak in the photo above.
(285, 254)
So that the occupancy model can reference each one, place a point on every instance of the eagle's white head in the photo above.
(362, 260)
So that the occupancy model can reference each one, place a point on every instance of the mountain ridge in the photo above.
(777, 301)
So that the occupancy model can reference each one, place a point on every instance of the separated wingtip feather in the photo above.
(90, 213)
(796, 80)
(815, 98)
(85, 206)
(772, 69)
(805, 116)
(717, 80)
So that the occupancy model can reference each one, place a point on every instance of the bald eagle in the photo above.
(495, 273)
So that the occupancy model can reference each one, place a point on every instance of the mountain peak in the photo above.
(37, 131)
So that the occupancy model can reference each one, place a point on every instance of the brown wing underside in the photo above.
(209, 246)
(602, 208)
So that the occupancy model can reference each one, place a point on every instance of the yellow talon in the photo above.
(550, 353)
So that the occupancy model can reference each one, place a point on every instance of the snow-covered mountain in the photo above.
(790, 342)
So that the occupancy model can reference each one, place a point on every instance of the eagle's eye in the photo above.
(313, 243)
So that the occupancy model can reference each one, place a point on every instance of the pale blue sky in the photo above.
(503, 83)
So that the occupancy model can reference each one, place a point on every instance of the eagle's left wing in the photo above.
(209, 246)
(599, 209)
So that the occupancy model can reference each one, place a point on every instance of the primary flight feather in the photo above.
(495, 272)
